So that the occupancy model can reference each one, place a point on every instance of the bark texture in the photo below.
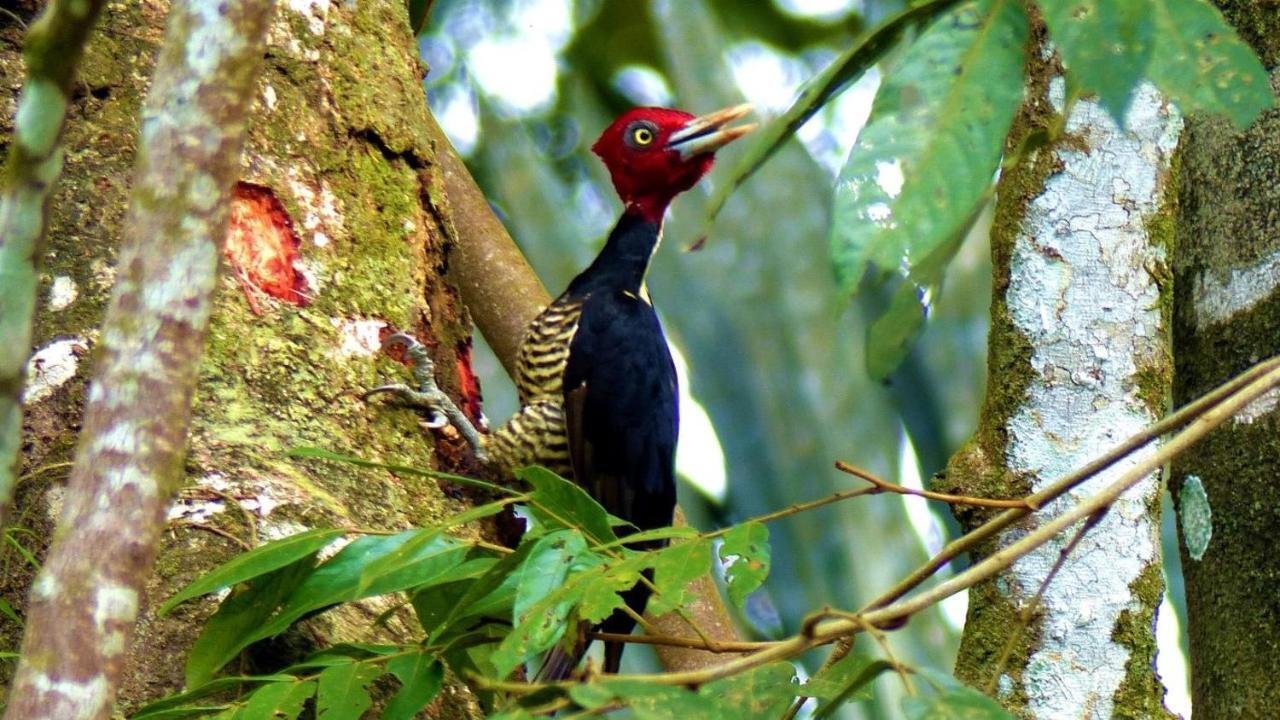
(1226, 317)
(83, 606)
(338, 166)
(1078, 360)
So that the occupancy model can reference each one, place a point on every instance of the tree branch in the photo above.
(1195, 421)
(85, 601)
(55, 43)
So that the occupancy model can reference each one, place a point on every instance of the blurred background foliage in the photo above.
(772, 353)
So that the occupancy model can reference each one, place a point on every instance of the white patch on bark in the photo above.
(72, 698)
(51, 367)
(320, 213)
(1217, 300)
(359, 337)
(1081, 292)
(114, 609)
(315, 11)
(62, 293)
(269, 96)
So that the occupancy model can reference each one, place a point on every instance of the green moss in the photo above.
(1140, 695)
(1259, 25)
(980, 467)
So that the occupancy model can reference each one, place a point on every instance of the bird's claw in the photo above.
(428, 399)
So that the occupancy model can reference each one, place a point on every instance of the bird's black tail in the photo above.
(559, 662)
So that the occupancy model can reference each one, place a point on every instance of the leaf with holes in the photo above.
(745, 551)
(933, 141)
(1200, 62)
(1105, 46)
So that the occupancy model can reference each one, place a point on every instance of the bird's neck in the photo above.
(624, 260)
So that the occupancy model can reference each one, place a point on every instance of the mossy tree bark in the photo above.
(1226, 317)
(1078, 360)
(339, 233)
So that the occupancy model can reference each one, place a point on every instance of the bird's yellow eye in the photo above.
(642, 136)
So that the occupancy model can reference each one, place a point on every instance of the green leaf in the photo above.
(847, 679)
(240, 615)
(343, 693)
(421, 676)
(256, 562)
(959, 703)
(340, 579)
(315, 453)
(1105, 46)
(746, 548)
(663, 702)
(846, 69)
(673, 569)
(1200, 62)
(543, 605)
(764, 692)
(491, 595)
(181, 713)
(545, 571)
(665, 533)
(891, 336)
(601, 598)
(164, 707)
(933, 142)
(7, 610)
(557, 502)
(279, 700)
(590, 696)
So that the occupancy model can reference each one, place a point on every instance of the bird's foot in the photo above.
(428, 395)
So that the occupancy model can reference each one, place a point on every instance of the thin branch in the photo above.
(799, 508)
(1208, 414)
(886, 486)
(1182, 417)
(1032, 607)
(693, 643)
(54, 45)
(85, 601)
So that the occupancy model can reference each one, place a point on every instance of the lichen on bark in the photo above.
(1076, 343)
(328, 137)
(1227, 317)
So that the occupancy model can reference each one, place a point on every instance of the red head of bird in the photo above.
(654, 154)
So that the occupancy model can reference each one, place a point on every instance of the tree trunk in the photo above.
(1078, 361)
(338, 234)
(1226, 317)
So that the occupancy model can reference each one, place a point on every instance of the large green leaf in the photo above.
(1105, 46)
(959, 703)
(746, 549)
(343, 692)
(933, 142)
(560, 503)
(847, 679)
(168, 707)
(279, 700)
(837, 76)
(1200, 62)
(545, 571)
(421, 676)
(240, 615)
(763, 692)
(259, 561)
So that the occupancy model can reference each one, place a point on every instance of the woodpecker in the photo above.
(597, 387)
